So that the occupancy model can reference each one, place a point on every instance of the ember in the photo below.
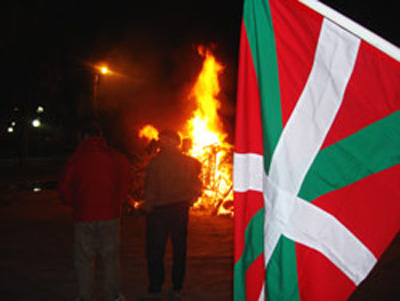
(204, 129)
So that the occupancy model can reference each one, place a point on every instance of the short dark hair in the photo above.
(93, 129)
(170, 134)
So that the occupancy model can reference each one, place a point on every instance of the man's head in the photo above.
(92, 130)
(169, 139)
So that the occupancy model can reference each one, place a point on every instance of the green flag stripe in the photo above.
(281, 274)
(253, 248)
(259, 28)
(260, 33)
(369, 151)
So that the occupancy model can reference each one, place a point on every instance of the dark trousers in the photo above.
(162, 222)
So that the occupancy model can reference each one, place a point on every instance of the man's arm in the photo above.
(150, 187)
(197, 183)
(65, 183)
(127, 176)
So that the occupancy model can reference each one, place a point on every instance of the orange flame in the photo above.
(205, 127)
(148, 132)
(205, 130)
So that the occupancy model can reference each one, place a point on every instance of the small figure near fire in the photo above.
(172, 185)
(95, 181)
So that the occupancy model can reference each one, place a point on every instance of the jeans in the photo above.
(92, 239)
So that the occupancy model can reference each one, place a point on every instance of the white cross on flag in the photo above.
(317, 152)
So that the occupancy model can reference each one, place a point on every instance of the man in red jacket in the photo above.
(95, 182)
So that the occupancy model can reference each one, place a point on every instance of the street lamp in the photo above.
(104, 70)
(100, 70)
(39, 109)
(36, 123)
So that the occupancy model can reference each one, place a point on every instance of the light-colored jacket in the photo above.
(172, 177)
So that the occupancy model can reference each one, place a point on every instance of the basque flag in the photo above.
(317, 152)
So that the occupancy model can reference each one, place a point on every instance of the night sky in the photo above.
(48, 48)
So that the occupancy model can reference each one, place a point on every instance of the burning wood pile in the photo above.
(203, 138)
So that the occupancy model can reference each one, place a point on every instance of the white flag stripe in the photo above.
(316, 108)
(355, 28)
(262, 294)
(307, 224)
(308, 125)
(248, 172)
(300, 142)
(319, 230)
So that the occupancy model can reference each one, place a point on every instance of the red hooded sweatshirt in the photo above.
(95, 181)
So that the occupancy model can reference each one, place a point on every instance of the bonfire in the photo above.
(204, 139)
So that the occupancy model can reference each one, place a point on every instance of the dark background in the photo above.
(49, 48)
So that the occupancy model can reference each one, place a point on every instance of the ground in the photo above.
(36, 248)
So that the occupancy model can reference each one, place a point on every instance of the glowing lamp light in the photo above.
(104, 70)
(40, 109)
(36, 123)
(10, 129)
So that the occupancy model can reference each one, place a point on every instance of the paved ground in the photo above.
(36, 254)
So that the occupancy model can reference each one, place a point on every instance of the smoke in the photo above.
(154, 75)
(151, 84)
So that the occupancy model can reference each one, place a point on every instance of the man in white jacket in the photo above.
(172, 185)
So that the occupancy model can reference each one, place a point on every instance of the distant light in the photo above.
(37, 189)
(104, 70)
(40, 109)
(10, 129)
(13, 123)
(15, 109)
(36, 123)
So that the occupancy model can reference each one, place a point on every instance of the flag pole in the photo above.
(353, 27)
